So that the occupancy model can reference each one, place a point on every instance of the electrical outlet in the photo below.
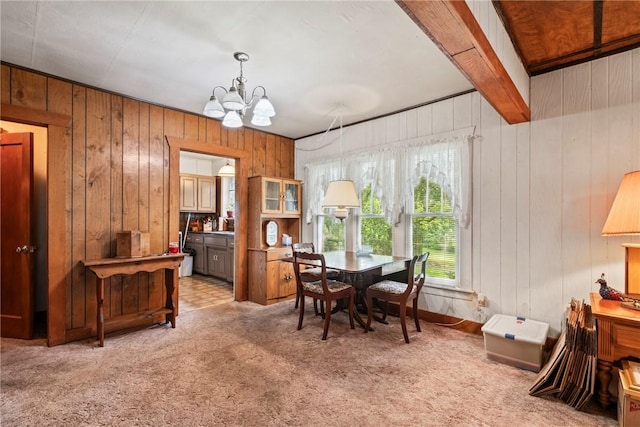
(482, 300)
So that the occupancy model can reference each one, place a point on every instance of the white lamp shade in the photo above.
(213, 108)
(341, 194)
(260, 120)
(227, 170)
(232, 120)
(232, 100)
(624, 216)
(264, 108)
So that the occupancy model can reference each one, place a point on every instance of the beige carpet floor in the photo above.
(241, 364)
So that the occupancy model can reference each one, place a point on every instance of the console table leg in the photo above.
(604, 375)
(100, 310)
(170, 279)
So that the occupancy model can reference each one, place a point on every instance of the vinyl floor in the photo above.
(198, 291)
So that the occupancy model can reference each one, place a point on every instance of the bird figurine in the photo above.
(607, 292)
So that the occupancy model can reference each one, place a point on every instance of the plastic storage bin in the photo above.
(515, 341)
(186, 267)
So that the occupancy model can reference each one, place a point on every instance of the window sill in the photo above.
(449, 291)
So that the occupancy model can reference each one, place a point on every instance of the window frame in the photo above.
(408, 229)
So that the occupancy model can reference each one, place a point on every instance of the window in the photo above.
(433, 229)
(231, 203)
(374, 229)
(331, 233)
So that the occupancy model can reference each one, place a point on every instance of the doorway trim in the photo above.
(58, 225)
(242, 165)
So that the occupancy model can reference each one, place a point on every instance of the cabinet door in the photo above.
(230, 261)
(271, 195)
(206, 194)
(217, 262)
(291, 196)
(188, 193)
(288, 284)
(198, 258)
(280, 280)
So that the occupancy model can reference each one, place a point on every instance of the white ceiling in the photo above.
(311, 56)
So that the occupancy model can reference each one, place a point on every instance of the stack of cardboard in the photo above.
(570, 373)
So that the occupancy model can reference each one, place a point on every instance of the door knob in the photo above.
(23, 249)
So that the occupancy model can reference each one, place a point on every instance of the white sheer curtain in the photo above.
(394, 173)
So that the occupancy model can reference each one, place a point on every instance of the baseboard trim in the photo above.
(457, 323)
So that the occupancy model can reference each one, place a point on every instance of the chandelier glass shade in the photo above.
(235, 105)
(227, 170)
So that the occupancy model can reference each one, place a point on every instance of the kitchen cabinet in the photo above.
(196, 242)
(217, 251)
(197, 193)
(272, 201)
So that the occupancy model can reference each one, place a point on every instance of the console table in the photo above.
(618, 337)
(107, 267)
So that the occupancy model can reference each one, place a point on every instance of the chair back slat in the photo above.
(417, 278)
(303, 247)
(310, 258)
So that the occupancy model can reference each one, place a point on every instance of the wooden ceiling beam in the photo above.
(453, 28)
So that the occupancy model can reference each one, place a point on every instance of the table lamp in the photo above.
(624, 219)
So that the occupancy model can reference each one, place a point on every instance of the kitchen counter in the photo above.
(226, 233)
(214, 253)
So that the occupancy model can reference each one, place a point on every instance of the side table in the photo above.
(107, 267)
(618, 336)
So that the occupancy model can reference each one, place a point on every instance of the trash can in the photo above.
(186, 268)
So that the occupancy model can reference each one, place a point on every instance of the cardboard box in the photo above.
(629, 394)
(515, 341)
(132, 243)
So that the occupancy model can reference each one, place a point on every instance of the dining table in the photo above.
(363, 270)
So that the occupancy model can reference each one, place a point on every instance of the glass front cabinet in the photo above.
(280, 196)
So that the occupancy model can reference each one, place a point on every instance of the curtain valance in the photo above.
(395, 171)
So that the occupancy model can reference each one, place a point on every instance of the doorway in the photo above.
(204, 201)
(38, 221)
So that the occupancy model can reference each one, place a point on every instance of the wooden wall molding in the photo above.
(450, 24)
(242, 166)
(30, 116)
(58, 220)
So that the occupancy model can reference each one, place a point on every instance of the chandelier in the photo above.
(234, 104)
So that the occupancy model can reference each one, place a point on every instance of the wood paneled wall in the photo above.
(110, 172)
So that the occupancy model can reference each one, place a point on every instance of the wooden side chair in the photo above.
(312, 274)
(322, 289)
(401, 293)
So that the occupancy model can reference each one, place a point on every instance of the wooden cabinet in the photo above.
(197, 193)
(280, 196)
(272, 200)
(271, 279)
(196, 242)
(264, 194)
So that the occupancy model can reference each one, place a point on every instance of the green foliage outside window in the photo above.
(332, 234)
(374, 230)
(434, 229)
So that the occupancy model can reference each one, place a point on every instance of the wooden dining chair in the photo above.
(401, 293)
(313, 273)
(323, 289)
